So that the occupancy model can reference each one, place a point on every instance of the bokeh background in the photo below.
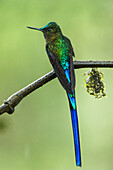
(38, 135)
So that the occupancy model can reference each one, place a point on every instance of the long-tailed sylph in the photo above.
(60, 53)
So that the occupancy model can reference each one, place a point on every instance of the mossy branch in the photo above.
(9, 104)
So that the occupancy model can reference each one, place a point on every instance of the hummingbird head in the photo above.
(51, 31)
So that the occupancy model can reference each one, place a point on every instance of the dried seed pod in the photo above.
(94, 83)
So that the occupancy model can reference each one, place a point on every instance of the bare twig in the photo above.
(9, 105)
(90, 64)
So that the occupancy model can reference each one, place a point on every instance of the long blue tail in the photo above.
(74, 118)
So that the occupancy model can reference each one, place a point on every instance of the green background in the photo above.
(38, 135)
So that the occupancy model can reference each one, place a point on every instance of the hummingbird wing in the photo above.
(60, 72)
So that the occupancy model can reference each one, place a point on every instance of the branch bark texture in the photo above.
(9, 104)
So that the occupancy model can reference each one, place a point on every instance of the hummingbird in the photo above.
(61, 53)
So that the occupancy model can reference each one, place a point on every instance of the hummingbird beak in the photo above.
(39, 29)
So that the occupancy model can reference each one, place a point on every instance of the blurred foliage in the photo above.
(3, 125)
(38, 136)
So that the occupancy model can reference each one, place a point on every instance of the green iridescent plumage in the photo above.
(60, 53)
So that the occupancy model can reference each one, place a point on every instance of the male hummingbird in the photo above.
(60, 53)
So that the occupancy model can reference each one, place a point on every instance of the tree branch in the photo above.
(9, 104)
